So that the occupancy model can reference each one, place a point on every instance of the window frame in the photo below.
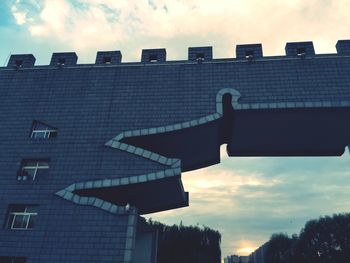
(301, 51)
(40, 164)
(249, 54)
(26, 216)
(200, 56)
(107, 60)
(48, 131)
(153, 58)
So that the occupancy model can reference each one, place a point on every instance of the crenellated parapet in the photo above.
(249, 51)
(246, 52)
(343, 47)
(64, 59)
(108, 57)
(300, 49)
(21, 61)
(117, 136)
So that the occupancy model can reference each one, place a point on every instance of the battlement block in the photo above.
(153, 55)
(21, 61)
(343, 47)
(300, 49)
(200, 54)
(250, 51)
(64, 59)
(108, 57)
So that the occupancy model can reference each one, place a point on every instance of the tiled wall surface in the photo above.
(91, 104)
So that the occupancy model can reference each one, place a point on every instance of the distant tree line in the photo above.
(324, 240)
(187, 244)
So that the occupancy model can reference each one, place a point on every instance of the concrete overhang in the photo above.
(147, 197)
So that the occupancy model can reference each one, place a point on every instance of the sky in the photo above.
(246, 199)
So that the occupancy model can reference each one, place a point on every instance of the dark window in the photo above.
(249, 54)
(153, 58)
(32, 168)
(200, 56)
(61, 61)
(301, 51)
(19, 63)
(42, 131)
(12, 259)
(22, 216)
(107, 60)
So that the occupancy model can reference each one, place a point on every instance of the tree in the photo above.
(323, 240)
(326, 239)
(187, 244)
(279, 248)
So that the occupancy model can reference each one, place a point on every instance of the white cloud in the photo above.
(90, 25)
(20, 17)
(248, 199)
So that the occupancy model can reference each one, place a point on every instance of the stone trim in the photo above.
(173, 163)
(68, 194)
(292, 105)
(235, 97)
(130, 237)
(274, 105)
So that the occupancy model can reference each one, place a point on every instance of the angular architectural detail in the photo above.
(64, 59)
(153, 55)
(21, 61)
(41, 130)
(300, 49)
(343, 47)
(200, 54)
(108, 57)
(249, 52)
(128, 130)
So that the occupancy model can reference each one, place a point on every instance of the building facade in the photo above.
(258, 256)
(87, 148)
(232, 259)
(237, 259)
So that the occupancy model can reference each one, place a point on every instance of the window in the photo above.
(107, 60)
(19, 63)
(200, 57)
(12, 259)
(301, 51)
(249, 54)
(30, 169)
(42, 131)
(22, 216)
(61, 62)
(153, 58)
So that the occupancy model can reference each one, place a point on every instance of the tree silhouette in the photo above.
(326, 239)
(187, 244)
(279, 248)
(323, 240)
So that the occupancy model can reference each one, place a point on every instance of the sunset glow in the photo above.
(245, 251)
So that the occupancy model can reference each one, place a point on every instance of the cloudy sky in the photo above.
(247, 199)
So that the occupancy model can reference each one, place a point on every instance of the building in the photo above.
(87, 148)
(232, 259)
(258, 256)
(244, 259)
(236, 259)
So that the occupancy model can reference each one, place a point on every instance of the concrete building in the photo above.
(244, 259)
(232, 259)
(258, 256)
(236, 259)
(87, 148)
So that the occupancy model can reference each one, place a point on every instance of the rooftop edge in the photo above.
(244, 52)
